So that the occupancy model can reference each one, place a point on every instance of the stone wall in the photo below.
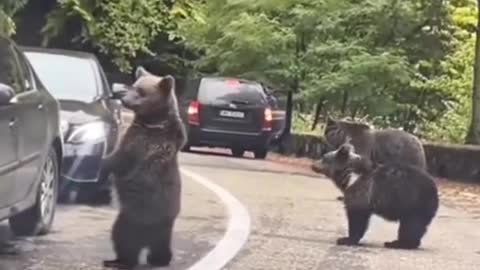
(453, 162)
(301, 145)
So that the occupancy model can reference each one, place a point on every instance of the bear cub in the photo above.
(393, 191)
(146, 173)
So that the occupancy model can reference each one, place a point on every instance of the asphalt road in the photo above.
(295, 220)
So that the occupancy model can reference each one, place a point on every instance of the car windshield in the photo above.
(65, 77)
(228, 90)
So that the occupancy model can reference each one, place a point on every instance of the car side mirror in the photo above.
(119, 90)
(7, 95)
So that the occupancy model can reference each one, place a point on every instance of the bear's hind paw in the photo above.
(346, 241)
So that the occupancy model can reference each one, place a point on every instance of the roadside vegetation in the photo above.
(406, 64)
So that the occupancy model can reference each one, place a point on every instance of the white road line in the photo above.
(237, 232)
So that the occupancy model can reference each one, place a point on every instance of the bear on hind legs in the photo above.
(146, 173)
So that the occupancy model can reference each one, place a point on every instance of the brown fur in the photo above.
(396, 192)
(146, 173)
(381, 146)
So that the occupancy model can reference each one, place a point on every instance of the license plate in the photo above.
(232, 114)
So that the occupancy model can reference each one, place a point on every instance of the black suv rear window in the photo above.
(217, 90)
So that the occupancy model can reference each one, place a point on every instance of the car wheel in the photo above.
(237, 152)
(260, 153)
(38, 219)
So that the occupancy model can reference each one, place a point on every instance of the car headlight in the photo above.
(90, 132)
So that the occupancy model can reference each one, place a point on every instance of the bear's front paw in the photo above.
(346, 241)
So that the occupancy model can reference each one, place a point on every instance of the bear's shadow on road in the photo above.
(368, 247)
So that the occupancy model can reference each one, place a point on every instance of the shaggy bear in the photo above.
(146, 173)
(394, 191)
(387, 145)
(384, 145)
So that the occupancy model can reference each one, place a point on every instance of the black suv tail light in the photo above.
(193, 113)
(267, 121)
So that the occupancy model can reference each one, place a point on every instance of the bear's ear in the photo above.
(141, 71)
(344, 150)
(167, 84)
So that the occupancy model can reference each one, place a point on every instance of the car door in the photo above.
(113, 107)
(8, 126)
(32, 126)
(8, 158)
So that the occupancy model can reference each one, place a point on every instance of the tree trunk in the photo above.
(318, 110)
(288, 115)
(345, 101)
(296, 85)
(354, 112)
(473, 136)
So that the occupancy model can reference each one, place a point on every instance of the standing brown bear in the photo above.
(146, 173)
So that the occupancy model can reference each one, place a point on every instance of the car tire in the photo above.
(38, 219)
(260, 153)
(237, 152)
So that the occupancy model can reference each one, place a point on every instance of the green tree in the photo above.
(242, 38)
(371, 57)
(399, 63)
(121, 29)
(456, 79)
(473, 136)
(8, 8)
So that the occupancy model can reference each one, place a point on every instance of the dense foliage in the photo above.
(406, 64)
(7, 9)
(120, 29)
(353, 58)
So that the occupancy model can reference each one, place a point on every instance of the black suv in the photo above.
(227, 112)
(30, 145)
